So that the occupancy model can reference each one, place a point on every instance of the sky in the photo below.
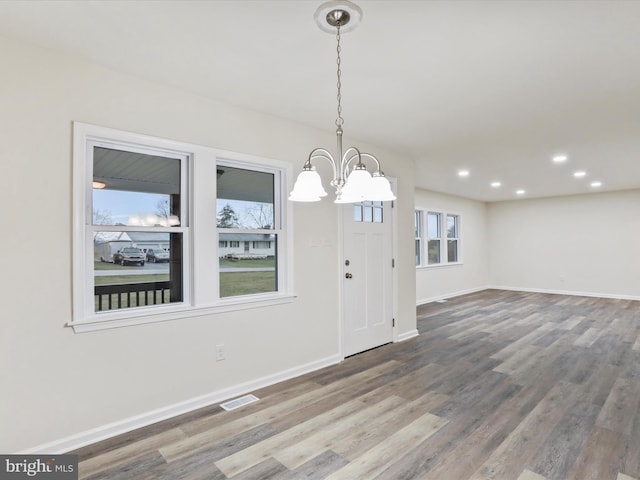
(121, 205)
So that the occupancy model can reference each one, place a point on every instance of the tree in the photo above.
(102, 217)
(260, 216)
(162, 208)
(227, 217)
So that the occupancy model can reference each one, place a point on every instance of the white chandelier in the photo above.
(358, 185)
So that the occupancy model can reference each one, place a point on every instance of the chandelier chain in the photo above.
(351, 179)
(339, 120)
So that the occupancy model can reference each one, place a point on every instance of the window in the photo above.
(248, 212)
(433, 237)
(452, 238)
(417, 228)
(441, 249)
(134, 253)
(136, 199)
(368, 211)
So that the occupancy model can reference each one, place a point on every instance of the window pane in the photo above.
(417, 251)
(245, 198)
(135, 269)
(368, 213)
(452, 250)
(249, 268)
(377, 215)
(452, 226)
(433, 225)
(135, 189)
(416, 223)
(357, 212)
(434, 251)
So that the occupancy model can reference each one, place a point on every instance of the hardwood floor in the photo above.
(499, 385)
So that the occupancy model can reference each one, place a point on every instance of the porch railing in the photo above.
(125, 295)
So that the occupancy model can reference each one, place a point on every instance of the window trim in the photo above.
(418, 228)
(438, 238)
(281, 211)
(455, 238)
(443, 238)
(201, 289)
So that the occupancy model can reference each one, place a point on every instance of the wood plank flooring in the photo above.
(499, 385)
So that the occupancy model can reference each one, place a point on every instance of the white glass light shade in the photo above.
(134, 220)
(308, 187)
(357, 187)
(381, 191)
(173, 220)
(150, 220)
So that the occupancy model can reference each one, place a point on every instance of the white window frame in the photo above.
(198, 227)
(418, 229)
(456, 238)
(281, 205)
(442, 238)
(437, 238)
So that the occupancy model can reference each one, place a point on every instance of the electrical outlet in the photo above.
(220, 353)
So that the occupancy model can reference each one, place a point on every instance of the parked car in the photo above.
(129, 255)
(157, 255)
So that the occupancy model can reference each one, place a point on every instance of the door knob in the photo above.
(348, 275)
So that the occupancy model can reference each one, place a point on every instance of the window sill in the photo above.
(439, 265)
(109, 320)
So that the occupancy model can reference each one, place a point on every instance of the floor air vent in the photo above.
(239, 402)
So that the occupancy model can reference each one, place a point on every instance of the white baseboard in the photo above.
(450, 295)
(103, 432)
(566, 292)
(531, 290)
(407, 335)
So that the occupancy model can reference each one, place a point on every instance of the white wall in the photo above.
(57, 385)
(472, 274)
(583, 244)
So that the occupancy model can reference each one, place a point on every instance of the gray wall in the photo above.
(62, 389)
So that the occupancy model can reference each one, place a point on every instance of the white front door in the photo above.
(367, 276)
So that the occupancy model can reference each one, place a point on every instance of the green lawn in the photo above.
(117, 279)
(253, 263)
(113, 266)
(231, 283)
(246, 283)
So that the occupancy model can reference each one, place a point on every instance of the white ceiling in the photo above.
(496, 87)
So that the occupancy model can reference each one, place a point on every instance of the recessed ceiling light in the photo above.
(98, 185)
(496, 184)
(520, 192)
(596, 184)
(560, 158)
(463, 173)
(579, 173)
